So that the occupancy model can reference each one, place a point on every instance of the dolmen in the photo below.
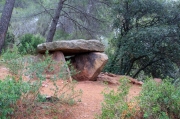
(86, 56)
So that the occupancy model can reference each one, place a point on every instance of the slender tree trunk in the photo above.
(55, 21)
(5, 19)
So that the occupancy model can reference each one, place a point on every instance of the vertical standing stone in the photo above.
(60, 65)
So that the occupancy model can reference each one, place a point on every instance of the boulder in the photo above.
(72, 47)
(108, 78)
(88, 65)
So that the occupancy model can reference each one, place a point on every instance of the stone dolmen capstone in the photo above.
(71, 47)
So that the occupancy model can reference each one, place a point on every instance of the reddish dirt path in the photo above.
(91, 97)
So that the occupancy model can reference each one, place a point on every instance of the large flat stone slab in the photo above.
(71, 47)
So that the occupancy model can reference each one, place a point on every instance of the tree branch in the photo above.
(41, 4)
(77, 23)
(82, 12)
(132, 62)
(34, 15)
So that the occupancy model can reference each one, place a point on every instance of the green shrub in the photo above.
(28, 94)
(13, 61)
(29, 42)
(66, 93)
(160, 101)
(36, 69)
(10, 91)
(115, 105)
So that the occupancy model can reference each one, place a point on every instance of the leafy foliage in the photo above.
(13, 61)
(156, 101)
(115, 104)
(23, 95)
(10, 92)
(29, 42)
(160, 101)
(147, 38)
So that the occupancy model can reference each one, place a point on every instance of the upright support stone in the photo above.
(61, 67)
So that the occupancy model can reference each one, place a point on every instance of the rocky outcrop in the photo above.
(71, 47)
(108, 78)
(88, 65)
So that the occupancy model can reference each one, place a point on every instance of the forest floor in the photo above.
(89, 106)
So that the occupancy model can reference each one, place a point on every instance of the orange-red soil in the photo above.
(91, 100)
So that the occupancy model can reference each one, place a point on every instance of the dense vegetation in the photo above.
(20, 96)
(142, 35)
(156, 101)
(142, 39)
(147, 39)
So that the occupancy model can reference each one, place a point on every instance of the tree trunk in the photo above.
(5, 19)
(55, 21)
(144, 67)
(132, 63)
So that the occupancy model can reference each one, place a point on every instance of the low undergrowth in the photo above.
(10, 92)
(116, 105)
(160, 101)
(20, 92)
(156, 101)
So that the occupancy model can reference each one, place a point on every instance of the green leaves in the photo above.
(12, 59)
(18, 97)
(29, 42)
(10, 91)
(156, 101)
(147, 41)
(160, 100)
(115, 103)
